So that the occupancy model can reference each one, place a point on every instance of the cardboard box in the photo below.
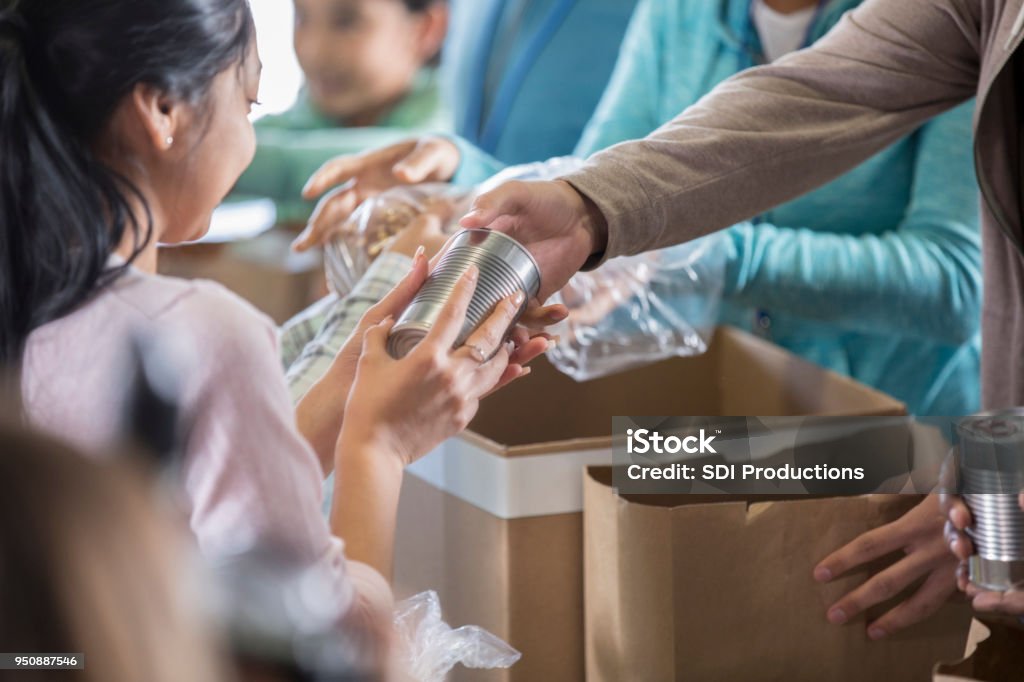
(262, 270)
(720, 587)
(492, 519)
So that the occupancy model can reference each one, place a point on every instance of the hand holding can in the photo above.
(505, 268)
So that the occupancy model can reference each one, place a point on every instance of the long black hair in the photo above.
(64, 67)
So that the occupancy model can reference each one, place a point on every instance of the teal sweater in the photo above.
(876, 275)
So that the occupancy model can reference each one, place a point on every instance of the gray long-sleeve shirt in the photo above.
(773, 133)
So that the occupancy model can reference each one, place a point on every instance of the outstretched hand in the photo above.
(408, 406)
(354, 178)
(918, 534)
(560, 227)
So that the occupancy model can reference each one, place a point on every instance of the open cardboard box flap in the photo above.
(740, 375)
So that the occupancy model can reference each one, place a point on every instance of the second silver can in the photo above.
(991, 464)
(505, 268)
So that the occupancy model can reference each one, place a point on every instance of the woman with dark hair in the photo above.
(123, 123)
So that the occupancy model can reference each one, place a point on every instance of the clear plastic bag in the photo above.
(630, 312)
(371, 227)
(538, 170)
(430, 648)
(377, 220)
(637, 310)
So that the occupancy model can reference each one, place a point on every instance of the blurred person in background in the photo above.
(876, 275)
(125, 124)
(522, 78)
(89, 564)
(371, 79)
(94, 561)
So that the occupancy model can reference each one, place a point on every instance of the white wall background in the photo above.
(282, 77)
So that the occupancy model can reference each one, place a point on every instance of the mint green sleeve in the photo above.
(629, 107)
(285, 159)
(921, 278)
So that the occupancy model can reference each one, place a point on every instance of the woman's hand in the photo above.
(958, 520)
(919, 535)
(358, 177)
(559, 226)
(399, 410)
(407, 407)
(321, 412)
(425, 230)
(1010, 602)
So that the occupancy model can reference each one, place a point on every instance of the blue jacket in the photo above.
(523, 76)
(291, 146)
(877, 275)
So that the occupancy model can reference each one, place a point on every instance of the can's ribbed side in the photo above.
(504, 267)
(991, 465)
(998, 530)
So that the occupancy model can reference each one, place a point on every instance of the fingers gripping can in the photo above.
(992, 474)
(505, 268)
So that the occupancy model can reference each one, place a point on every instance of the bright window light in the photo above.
(282, 77)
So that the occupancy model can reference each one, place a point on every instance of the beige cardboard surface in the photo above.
(719, 588)
(523, 578)
(263, 270)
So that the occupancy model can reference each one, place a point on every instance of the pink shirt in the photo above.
(249, 475)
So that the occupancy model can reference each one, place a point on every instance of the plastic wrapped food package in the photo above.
(430, 648)
(629, 312)
(367, 232)
(371, 227)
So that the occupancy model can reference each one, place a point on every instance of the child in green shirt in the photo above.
(370, 80)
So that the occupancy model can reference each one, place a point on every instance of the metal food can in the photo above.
(505, 268)
(991, 464)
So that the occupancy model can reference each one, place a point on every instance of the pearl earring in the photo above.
(170, 141)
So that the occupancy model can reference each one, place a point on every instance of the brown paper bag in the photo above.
(713, 587)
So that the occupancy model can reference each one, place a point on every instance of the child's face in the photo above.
(361, 56)
(220, 144)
